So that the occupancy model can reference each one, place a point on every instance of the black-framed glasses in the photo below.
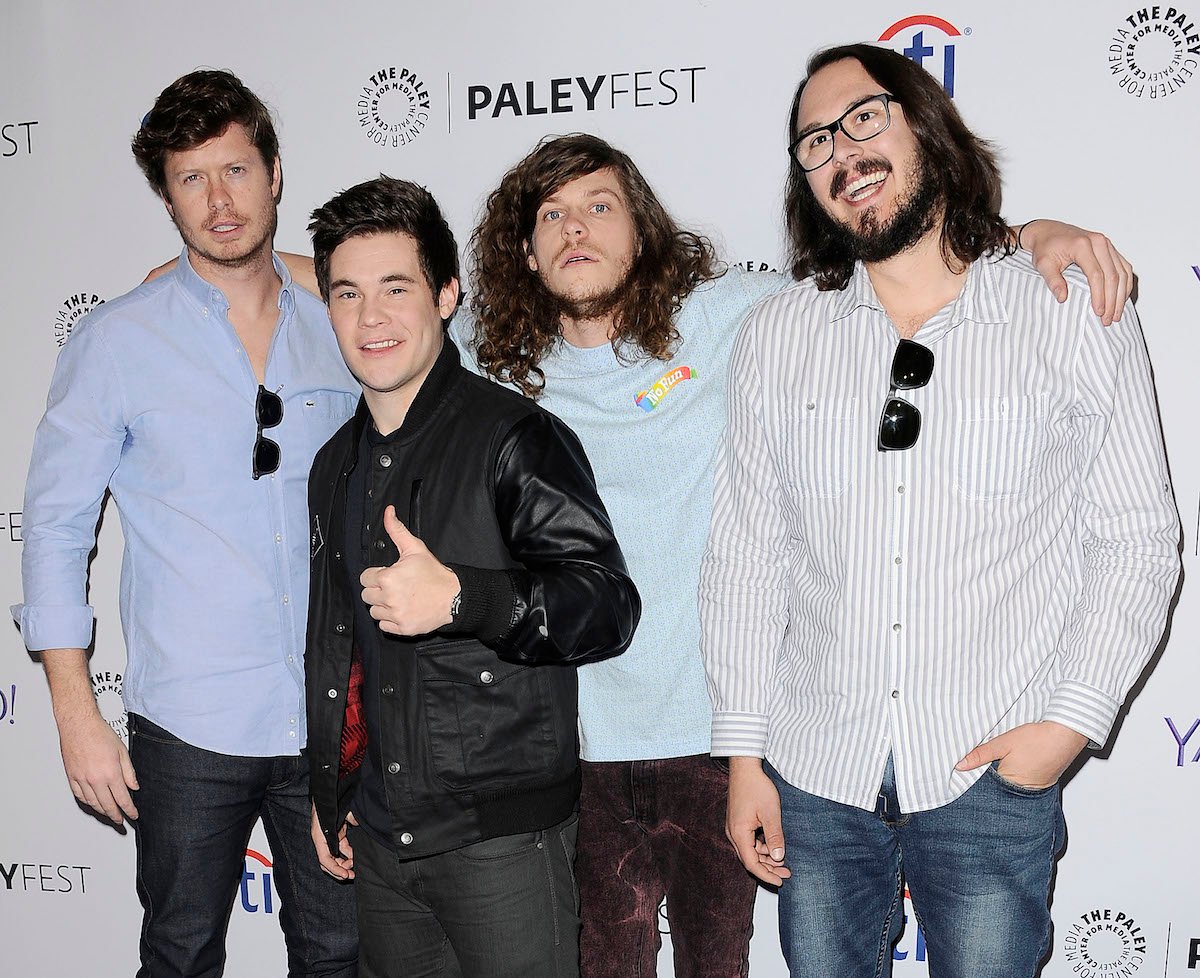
(268, 411)
(900, 423)
(864, 120)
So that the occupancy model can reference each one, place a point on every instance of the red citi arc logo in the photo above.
(257, 893)
(917, 47)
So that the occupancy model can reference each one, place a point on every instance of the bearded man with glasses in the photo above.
(943, 544)
(198, 400)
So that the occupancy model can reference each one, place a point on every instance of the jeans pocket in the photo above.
(142, 728)
(1018, 789)
(501, 847)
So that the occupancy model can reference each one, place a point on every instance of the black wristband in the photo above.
(1021, 231)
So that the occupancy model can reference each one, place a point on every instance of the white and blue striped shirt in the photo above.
(1015, 565)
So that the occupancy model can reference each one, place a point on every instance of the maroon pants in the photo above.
(655, 829)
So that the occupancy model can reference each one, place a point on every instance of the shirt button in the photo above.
(292, 721)
(388, 690)
(899, 560)
(810, 406)
(279, 538)
(291, 733)
(291, 658)
(406, 839)
(486, 677)
(895, 694)
(339, 628)
(900, 489)
(380, 545)
(394, 768)
(896, 626)
(385, 460)
(332, 694)
(286, 599)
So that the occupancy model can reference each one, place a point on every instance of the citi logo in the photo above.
(917, 47)
(257, 891)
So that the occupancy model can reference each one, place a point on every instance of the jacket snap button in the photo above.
(406, 839)
(486, 677)
(339, 628)
(393, 768)
(332, 694)
(388, 690)
(385, 460)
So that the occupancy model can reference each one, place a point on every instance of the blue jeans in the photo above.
(501, 908)
(196, 810)
(978, 871)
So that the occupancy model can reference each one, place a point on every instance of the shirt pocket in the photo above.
(817, 444)
(328, 405)
(999, 444)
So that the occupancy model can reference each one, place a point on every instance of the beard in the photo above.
(593, 305)
(871, 241)
(250, 250)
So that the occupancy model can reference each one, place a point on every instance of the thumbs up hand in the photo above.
(414, 595)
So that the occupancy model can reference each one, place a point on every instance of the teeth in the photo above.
(381, 345)
(864, 183)
(224, 227)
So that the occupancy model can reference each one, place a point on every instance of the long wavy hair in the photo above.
(517, 317)
(962, 164)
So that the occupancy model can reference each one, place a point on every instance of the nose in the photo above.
(574, 226)
(372, 313)
(218, 194)
(845, 149)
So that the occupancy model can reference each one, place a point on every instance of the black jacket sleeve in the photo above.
(572, 601)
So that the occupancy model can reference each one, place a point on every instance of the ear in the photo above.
(530, 260)
(276, 179)
(447, 300)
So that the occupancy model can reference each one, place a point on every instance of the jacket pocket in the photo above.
(490, 722)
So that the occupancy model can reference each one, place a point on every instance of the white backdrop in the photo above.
(1093, 105)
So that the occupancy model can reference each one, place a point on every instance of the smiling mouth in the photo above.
(576, 259)
(864, 186)
(380, 345)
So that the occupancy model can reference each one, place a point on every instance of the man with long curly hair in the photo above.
(920, 615)
(590, 297)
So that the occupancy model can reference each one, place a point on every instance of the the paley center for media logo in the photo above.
(1154, 52)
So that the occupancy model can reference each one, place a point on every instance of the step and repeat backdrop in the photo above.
(1095, 108)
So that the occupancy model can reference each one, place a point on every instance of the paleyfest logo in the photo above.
(1154, 52)
(1104, 942)
(8, 704)
(73, 309)
(393, 107)
(108, 689)
(924, 38)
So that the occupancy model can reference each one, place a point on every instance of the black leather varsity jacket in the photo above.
(478, 725)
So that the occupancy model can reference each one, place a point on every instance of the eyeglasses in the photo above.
(900, 424)
(268, 410)
(864, 120)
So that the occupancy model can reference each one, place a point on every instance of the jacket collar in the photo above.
(424, 406)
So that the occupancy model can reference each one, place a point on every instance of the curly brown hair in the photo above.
(962, 164)
(518, 318)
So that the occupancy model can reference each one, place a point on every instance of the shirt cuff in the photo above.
(1084, 709)
(488, 598)
(47, 626)
(739, 735)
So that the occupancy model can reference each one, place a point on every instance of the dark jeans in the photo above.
(978, 870)
(503, 908)
(650, 829)
(196, 810)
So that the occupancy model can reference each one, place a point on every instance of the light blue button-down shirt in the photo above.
(153, 398)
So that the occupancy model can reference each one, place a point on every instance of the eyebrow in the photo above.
(394, 277)
(816, 127)
(555, 199)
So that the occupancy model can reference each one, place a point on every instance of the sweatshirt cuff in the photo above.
(739, 735)
(47, 626)
(1084, 709)
(488, 599)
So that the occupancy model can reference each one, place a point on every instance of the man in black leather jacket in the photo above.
(445, 733)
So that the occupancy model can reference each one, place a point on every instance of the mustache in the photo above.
(860, 169)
